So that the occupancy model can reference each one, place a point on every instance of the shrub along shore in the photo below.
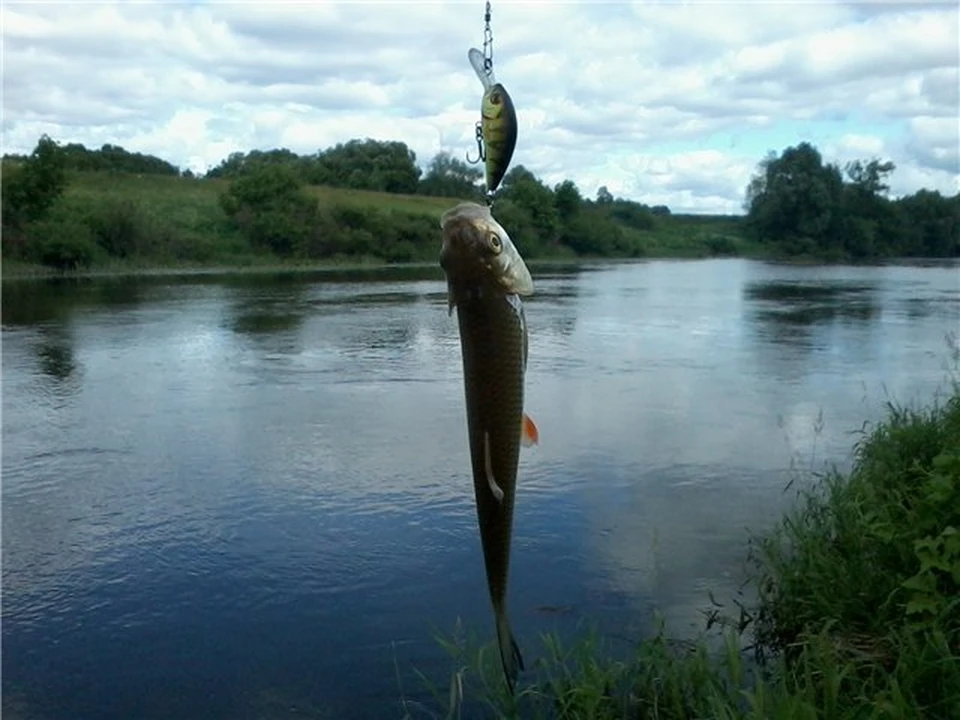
(857, 610)
(118, 222)
(68, 208)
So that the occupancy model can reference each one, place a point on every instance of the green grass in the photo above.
(857, 610)
(178, 223)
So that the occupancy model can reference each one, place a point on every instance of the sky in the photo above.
(669, 103)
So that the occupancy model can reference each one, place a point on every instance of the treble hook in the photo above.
(481, 154)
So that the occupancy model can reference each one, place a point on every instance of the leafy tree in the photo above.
(115, 158)
(366, 165)
(869, 225)
(930, 224)
(238, 163)
(448, 176)
(631, 214)
(270, 206)
(31, 187)
(524, 189)
(603, 196)
(568, 200)
(805, 206)
(593, 232)
(795, 198)
(870, 178)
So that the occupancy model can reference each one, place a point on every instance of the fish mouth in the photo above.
(461, 253)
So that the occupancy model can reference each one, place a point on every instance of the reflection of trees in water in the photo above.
(947, 305)
(30, 302)
(56, 360)
(793, 320)
(396, 335)
(120, 292)
(559, 323)
(267, 309)
(789, 311)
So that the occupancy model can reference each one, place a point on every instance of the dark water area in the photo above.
(240, 496)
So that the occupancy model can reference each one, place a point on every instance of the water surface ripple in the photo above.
(247, 496)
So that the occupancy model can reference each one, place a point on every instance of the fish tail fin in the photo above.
(510, 655)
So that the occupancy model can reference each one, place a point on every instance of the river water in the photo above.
(247, 495)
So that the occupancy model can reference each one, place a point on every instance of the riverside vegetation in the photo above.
(855, 614)
(367, 201)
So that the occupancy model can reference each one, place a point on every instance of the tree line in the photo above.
(795, 205)
(808, 207)
(109, 158)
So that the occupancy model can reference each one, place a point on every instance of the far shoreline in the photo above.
(22, 271)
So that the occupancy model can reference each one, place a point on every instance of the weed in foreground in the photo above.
(857, 612)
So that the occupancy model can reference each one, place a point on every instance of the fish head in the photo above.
(477, 254)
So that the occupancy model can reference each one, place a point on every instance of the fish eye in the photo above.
(495, 242)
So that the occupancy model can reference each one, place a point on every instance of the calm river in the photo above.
(247, 496)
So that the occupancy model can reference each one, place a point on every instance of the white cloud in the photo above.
(657, 101)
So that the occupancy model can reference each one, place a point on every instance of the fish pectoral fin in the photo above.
(529, 435)
(488, 464)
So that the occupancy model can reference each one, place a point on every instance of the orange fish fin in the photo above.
(529, 435)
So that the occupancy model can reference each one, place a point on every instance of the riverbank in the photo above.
(126, 223)
(857, 611)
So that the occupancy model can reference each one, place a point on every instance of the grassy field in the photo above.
(857, 612)
(180, 224)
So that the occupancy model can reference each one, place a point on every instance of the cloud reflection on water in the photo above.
(303, 438)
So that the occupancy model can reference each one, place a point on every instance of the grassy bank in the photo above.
(129, 223)
(857, 612)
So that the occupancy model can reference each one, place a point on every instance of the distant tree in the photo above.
(448, 176)
(30, 188)
(116, 159)
(868, 225)
(524, 189)
(230, 166)
(270, 206)
(870, 178)
(603, 196)
(238, 163)
(660, 210)
(795, 198)
(631, 214)
(568, 200)
(930, 224)
(388, 166)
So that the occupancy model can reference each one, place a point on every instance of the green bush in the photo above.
(63, 244)
(118, 226)
(270, 207)
(721, 245)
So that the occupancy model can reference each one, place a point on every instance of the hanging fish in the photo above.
(498, 123)
(486, 277)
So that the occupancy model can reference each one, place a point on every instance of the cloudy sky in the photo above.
(666, 102)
